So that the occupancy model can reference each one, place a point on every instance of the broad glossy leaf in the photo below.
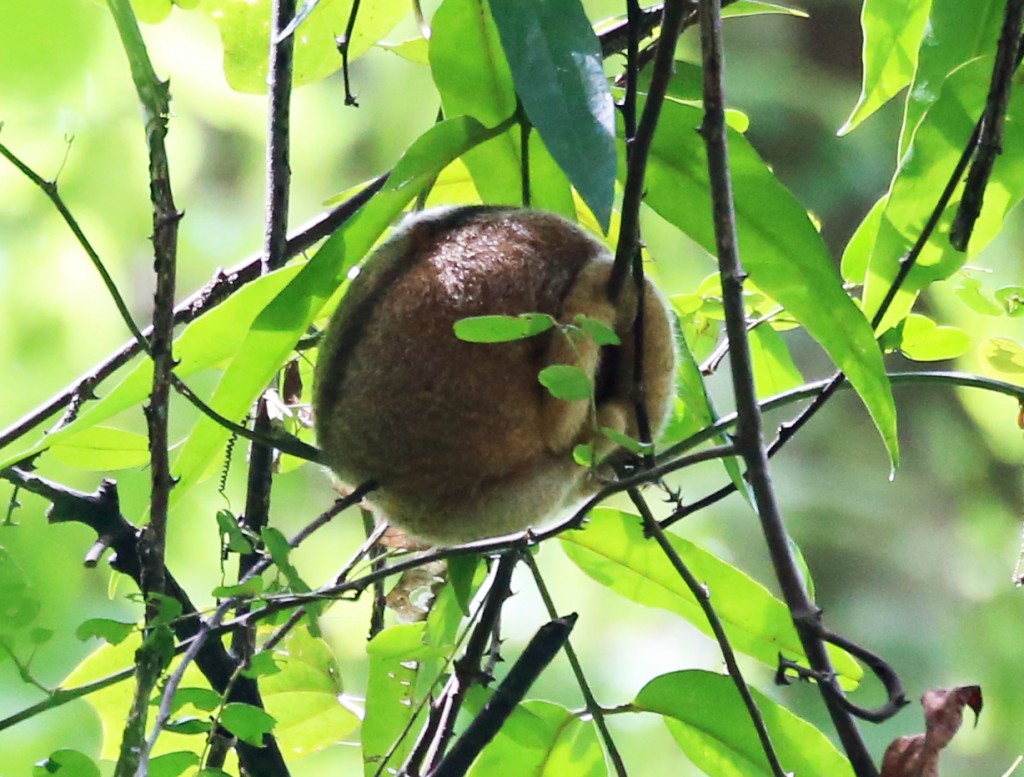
(915, 189)
(473, 79)
(708, 719)
(103, 448)
(245, 33)
(543, 740)
(779, 247)
(391, 698)
(956, 33)
(207, 342)
(247, 722)
(66, 763)
(774, 369)
(172, 764)
(892, 32)
(287, 317)
(613, 551)
(304, 696)
(558, 70)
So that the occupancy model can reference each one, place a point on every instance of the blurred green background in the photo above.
(920, 569)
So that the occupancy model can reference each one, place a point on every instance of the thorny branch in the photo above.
(749, 437)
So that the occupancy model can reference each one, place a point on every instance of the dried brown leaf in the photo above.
(918, 755)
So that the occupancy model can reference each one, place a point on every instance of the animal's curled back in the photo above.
(461, 438)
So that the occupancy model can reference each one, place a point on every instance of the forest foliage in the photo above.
(597, 115)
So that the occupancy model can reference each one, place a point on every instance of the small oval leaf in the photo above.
(564, 381)
(502, 329)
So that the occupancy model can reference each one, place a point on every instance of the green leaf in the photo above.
(280, 551)
(892, 33)
(170, 609)
(925, 341)
(245, 32)
(757, 8)
(584, 455)
(391, 692)
(915, 188)
(969, 292)
(204, 699)
(40, 636)
(262, 664)
(502, 329)
(306, 697)
(172, 764)
(236, 540)
(287, 317)
(542, 739)
(415, 50)
(211, 339)
(103, 448)
(151, 11)
(66, 763)
(462, 571)
(779, 247)
(563, 381)
(113, 702)
(189, 726)
(612, 550)
(598, 331)
(955, 34)
(252, 587)
(1005, 356)
(1012, 300)
(558, 71)
(247, 722)
(712, 726)
(473, 79)
(774, 369)
(625, 441)
(111, 631)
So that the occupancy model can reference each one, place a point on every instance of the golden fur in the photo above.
(461, 438)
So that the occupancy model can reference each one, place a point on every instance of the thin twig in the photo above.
(437, 731)
(749, 438)
(628, 247)
(223, 285)
(702, 596)
(539, 652)
(595, 709)
(154, 98)
(990, 143)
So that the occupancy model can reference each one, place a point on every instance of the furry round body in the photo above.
(461, 438)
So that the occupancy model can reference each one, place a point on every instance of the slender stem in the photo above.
(595, 709)
(749, 438)
(702, 596)
(628, 247)
(539, 652)
(223, 285)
